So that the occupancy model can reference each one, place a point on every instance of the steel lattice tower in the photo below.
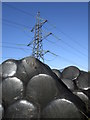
(37, 44)
(37, 50)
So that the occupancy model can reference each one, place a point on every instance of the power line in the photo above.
(54, 43)
(12, 22)
(19, 44)
(14, 47)
(50, 24)
(12, 25)
(7, 57)
(15, 23)
(75, 41)
(61, 57)
(70, 52)
(18, 9)
(42, 19)
(17, 28)
(70, 61)
(59, 39)
(69, 45)
(66, 43)
(65, 59)
(22, 11)
(31, 47)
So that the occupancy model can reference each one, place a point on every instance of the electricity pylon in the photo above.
(38, 51)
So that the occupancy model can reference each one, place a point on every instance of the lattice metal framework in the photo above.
(38, 51)
(37, 43)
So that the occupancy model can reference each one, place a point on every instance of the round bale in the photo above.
(12, 90)
(70, 72)
(22, 109)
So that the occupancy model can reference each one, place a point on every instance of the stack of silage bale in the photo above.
(30, 89)
(77, 81)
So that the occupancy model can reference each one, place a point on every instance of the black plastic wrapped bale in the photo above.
(70, 72)
(9, 68)
(0, 72)
(87, 92)
(1, 111)
(69, 83)
(22, 109)
(0, 92)
(34, 67)
(12, 90)
(83, 97)
(64, 92)
(83, 82)
(61, 108)
(41, 89)
(21, 72)
(57, 72)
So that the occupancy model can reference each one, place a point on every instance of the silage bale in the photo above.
(21, 72)
(12, 90)
(82, 81)
(84, 98)
(22, 109)
(0, 92)
(0, 72)
(69, 83)
(61, 108)
(34, 67)
(87, 92)
(42, 89)
(8, 68)
(1, 111)
(70, 72)
(57, 72)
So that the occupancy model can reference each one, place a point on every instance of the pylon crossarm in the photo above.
(30, 43)
(46, 36)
